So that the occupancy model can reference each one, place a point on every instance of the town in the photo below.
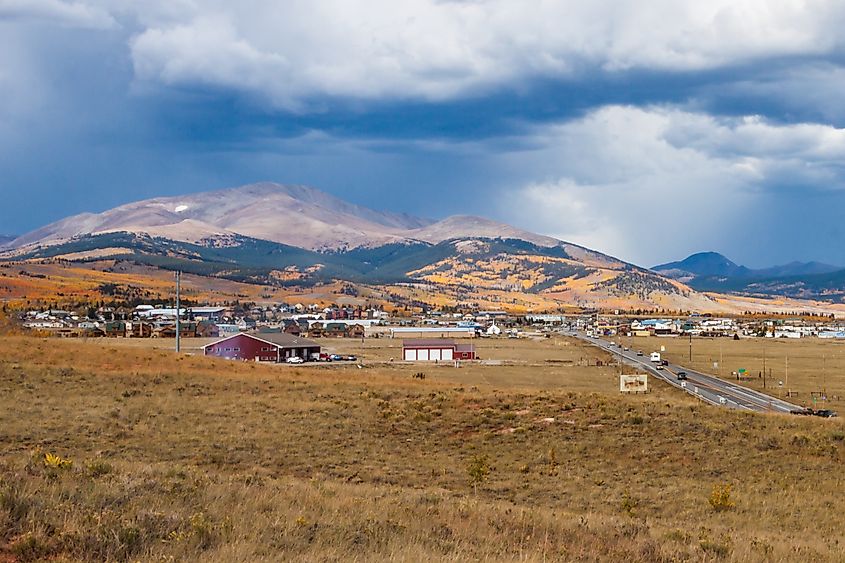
(315, 321)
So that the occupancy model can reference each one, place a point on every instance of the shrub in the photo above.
(720, 498)
(98, 468)
(478, 470)
(30, 548)
(629, 504)
(56, 462)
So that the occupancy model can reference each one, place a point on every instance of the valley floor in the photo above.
(198, 459)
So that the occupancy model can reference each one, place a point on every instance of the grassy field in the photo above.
(815, 366)
(188, 458)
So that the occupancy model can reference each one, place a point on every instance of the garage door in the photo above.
(410, 355)
(434, 355)
(422, 355)
(447, 354)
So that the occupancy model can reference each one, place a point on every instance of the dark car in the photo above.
(825, 413)
(681, 375)
(664, 362)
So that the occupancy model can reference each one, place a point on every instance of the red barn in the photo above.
(435, 349)
(262, 347)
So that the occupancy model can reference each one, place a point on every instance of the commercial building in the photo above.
(262, 347)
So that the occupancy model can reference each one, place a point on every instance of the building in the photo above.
(432, 332)
(262, 347)
(207, 329)
(436, 349)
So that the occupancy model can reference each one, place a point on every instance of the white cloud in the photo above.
(432, 49)
(643, 183)
(71, 14)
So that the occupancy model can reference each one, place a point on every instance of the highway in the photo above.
(708, 388)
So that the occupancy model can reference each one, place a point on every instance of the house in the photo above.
(139, 329)
(337, 330)
(292, 327)
(262, 347)
(114, 329)
(315, 330)
(436, 349)
(207, 329)
(355, 331)
(186, 330)
(247, 323)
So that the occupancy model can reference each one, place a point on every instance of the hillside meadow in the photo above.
(114, 451)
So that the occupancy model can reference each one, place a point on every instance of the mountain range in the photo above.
(293, 215)
(711, 271)
(297, 236)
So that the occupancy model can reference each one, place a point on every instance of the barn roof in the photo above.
(286, 340)
(281, 339)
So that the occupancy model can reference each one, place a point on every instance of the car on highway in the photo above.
(626, 349)
(658, 366)
(639, 352)
(295, 360)
(681, 375)
(664, 362)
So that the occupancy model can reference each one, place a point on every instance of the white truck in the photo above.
(655, 357)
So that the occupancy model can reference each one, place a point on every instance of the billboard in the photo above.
(633, 383)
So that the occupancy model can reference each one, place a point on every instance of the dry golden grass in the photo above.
(814, 365)
(198, 459)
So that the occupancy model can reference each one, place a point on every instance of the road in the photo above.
(708, 388)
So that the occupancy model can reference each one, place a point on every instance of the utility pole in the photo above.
(824, 374)
(178, 313)
(690, 348)
(720, 357)
(786, 376)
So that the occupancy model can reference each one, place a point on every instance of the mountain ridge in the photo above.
(275, 235)
(711, 271)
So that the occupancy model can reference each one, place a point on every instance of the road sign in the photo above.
(633, 383)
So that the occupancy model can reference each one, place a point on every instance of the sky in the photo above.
(647, 129)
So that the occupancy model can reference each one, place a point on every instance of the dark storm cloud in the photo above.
(465, 107)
